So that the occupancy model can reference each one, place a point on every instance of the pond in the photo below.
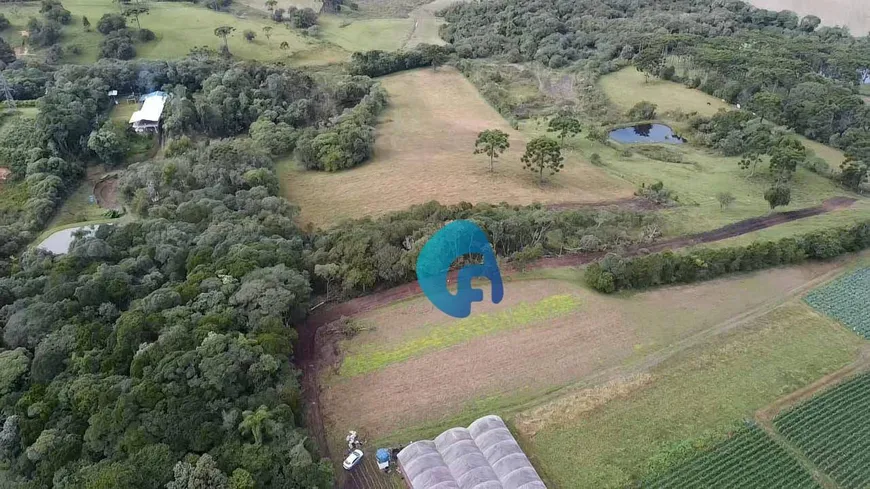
(646, 133)
(59, 242)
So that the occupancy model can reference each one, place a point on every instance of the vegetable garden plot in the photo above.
(832, 429)
(847, 300)
(749, 459)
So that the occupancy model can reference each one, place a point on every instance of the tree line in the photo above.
(615, 273)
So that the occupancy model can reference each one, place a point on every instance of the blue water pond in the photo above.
(646, 133)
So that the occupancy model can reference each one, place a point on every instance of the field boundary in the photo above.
(306, 350)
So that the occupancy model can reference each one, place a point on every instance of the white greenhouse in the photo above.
(483, 456)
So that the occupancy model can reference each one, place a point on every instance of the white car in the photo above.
(353, 459)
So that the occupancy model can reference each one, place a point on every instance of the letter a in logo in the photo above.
(457, 239)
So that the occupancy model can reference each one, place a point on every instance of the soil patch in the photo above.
(106, 191)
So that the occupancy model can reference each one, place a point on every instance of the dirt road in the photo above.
(306, 351)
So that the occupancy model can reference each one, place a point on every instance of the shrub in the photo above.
(595, 159)
(43, 33)
(54, 54)
(668, 267)
(661, 153)
(249, 35)
(7, 54)
(178, 146)
(657, 193)
(145, 35)
(110, 23)
(643, 111)
(118, 45)
(302, 18)
(53, 10)
(725, 199)
(4, 22)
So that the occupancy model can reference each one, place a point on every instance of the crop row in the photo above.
(847, 300)
(833, 430)
(749, 459)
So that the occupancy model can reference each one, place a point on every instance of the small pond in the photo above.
(59, 242)
(646, 133)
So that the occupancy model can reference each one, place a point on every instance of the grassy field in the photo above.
(423, 151)
(440, 372)
(365, 34)
(179, 26)
(859, 212)
(426, 25)
(629, 86)
(123, 111)
(693, 401)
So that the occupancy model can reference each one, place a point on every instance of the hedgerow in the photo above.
(617, 273)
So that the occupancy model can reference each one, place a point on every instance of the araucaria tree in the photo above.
(267, 31)
(492, 143)
(543, 153)
(223, 32)
(565, 126)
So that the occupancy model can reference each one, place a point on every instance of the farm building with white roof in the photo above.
(147, 118)
(483, 456)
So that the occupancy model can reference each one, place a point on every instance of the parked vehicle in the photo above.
(353, 459)
(383, 456)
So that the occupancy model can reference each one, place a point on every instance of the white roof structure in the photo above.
(151, 109)
(483, 456)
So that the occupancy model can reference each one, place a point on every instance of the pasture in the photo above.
(178, 27)
(411, 371)
(365, 34)
(702, 174)
(423, 152)
(629, 86)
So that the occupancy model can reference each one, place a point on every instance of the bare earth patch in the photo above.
(605, 333)
(423, 152)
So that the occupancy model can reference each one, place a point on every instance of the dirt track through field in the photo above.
(306, 352)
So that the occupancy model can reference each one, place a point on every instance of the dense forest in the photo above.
(785, 69)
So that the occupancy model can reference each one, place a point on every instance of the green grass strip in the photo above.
(372, 358)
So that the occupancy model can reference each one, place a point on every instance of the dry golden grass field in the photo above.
(423, 152)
